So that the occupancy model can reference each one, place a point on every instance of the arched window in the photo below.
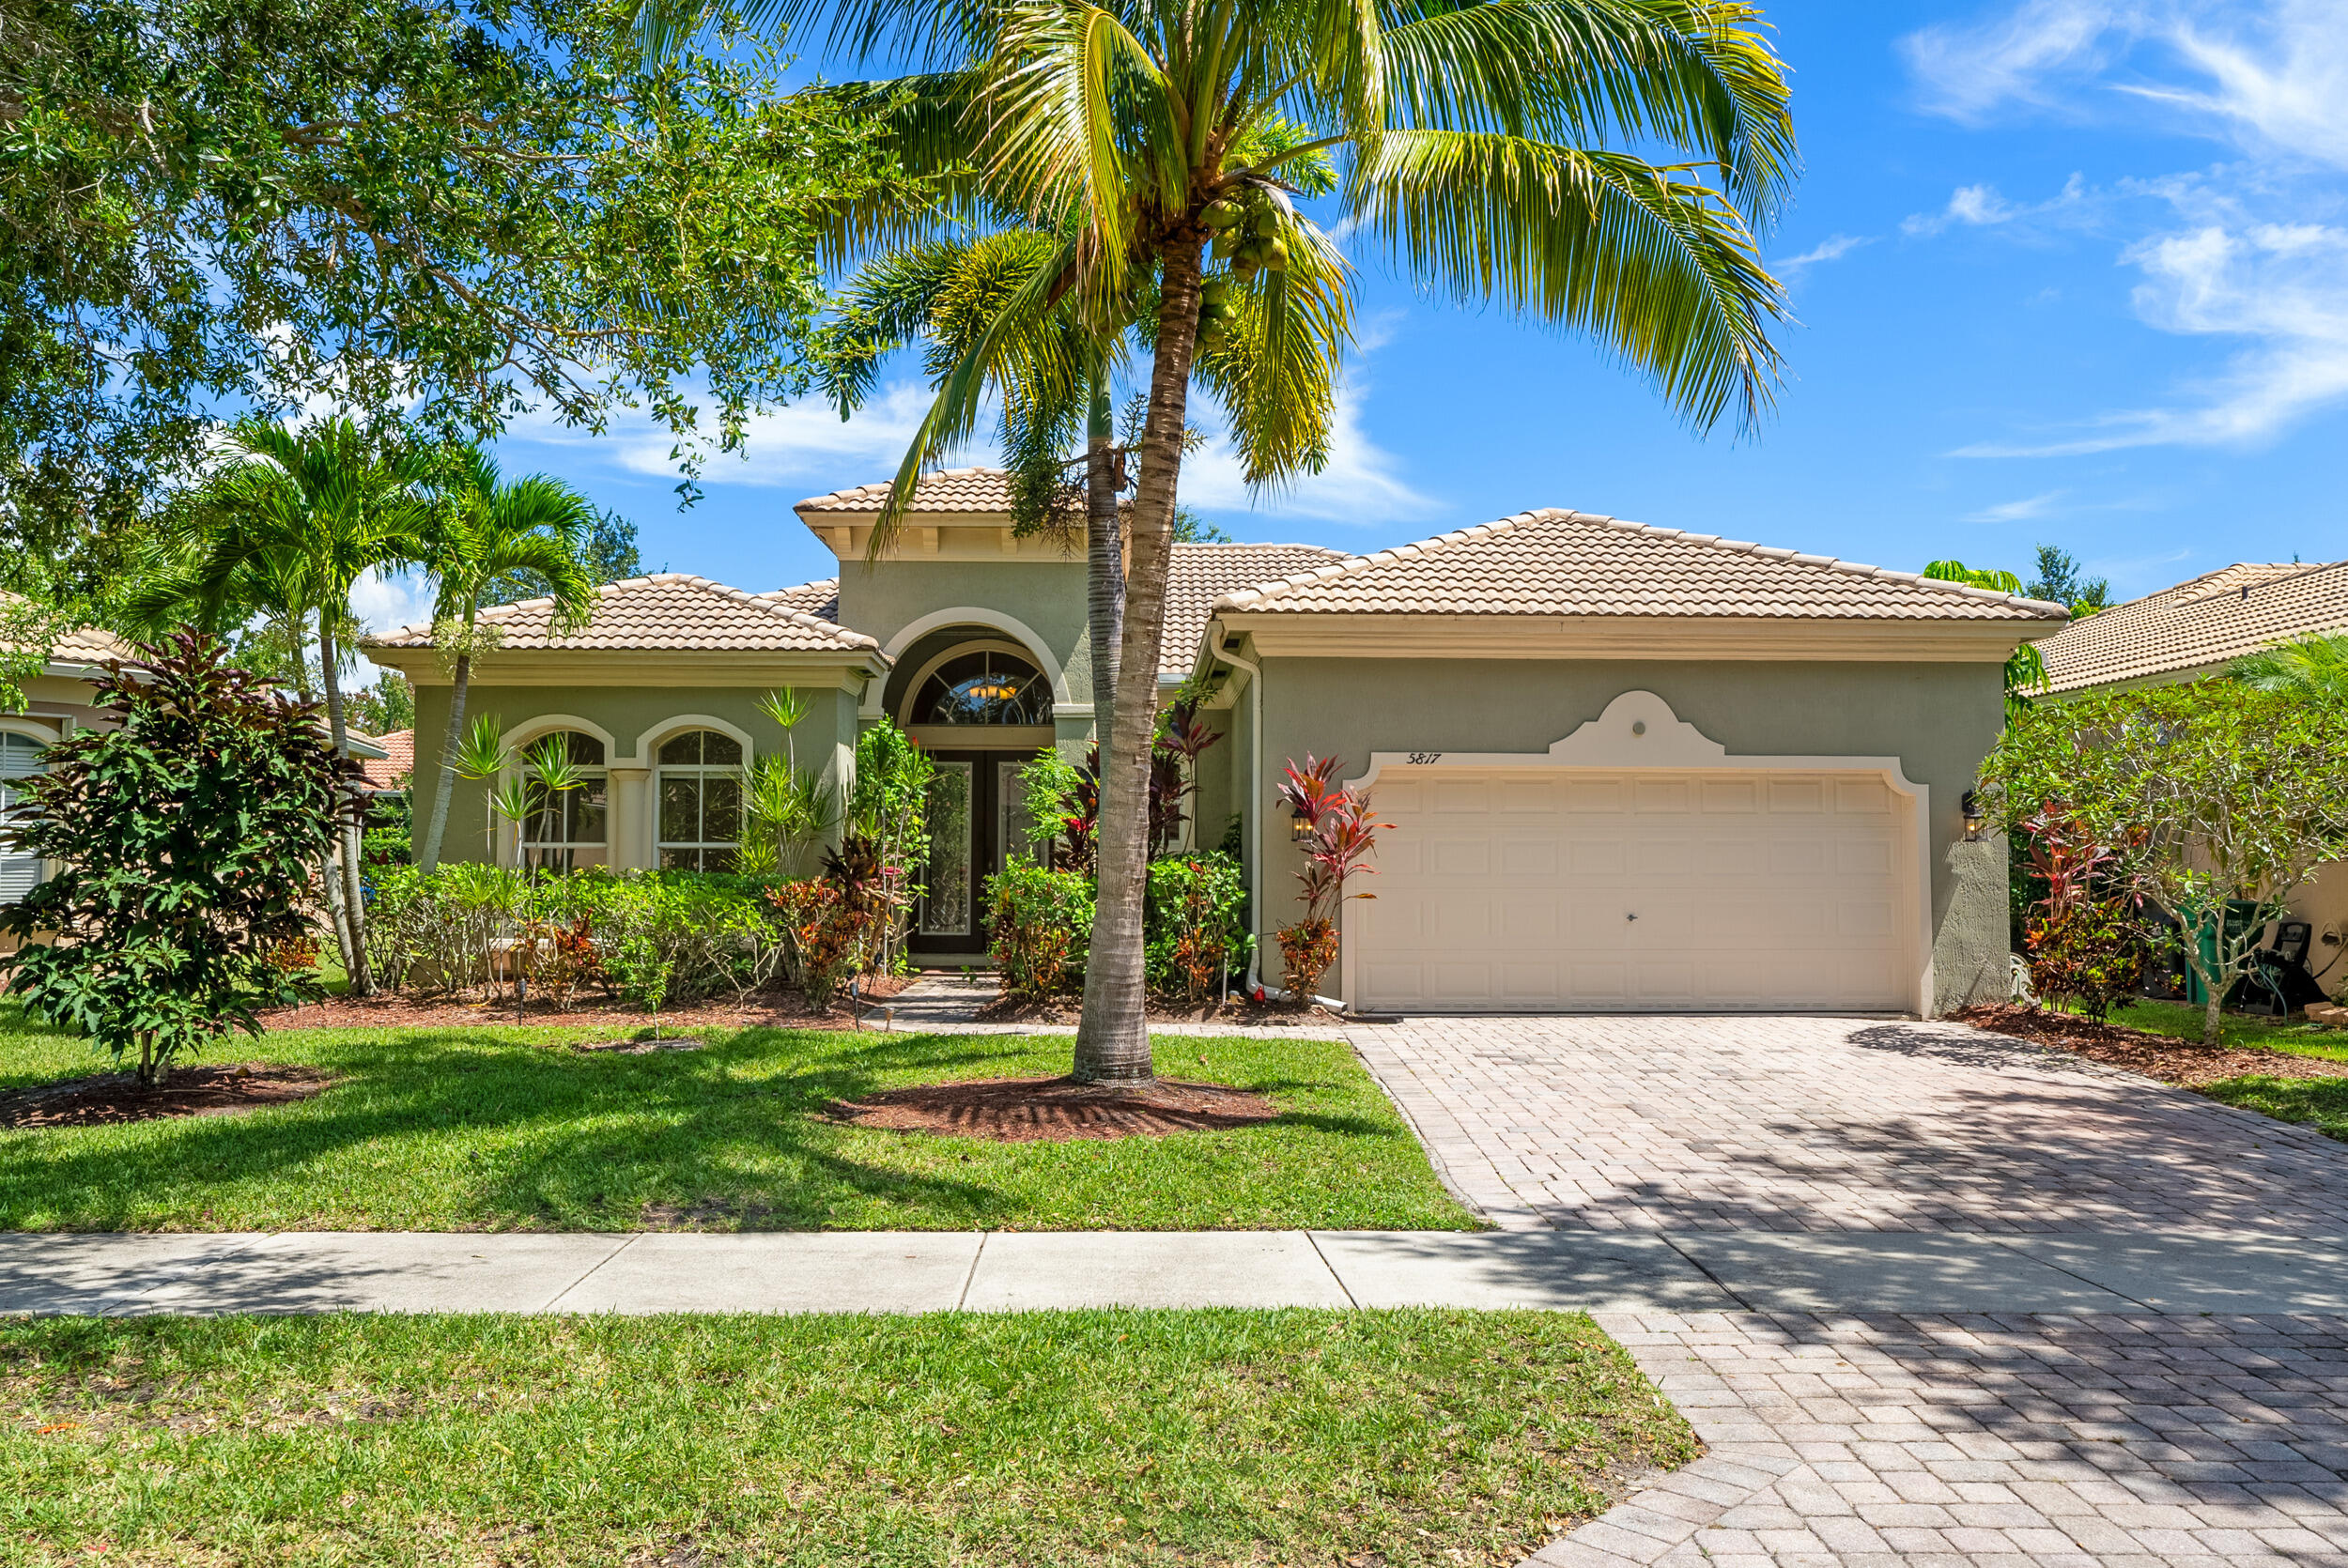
(985, 687)
(20, 760)
(567, 828)
(701, 801)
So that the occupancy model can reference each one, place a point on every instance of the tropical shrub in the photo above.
(889, 807)
(188, 840)
(1340, 836)
(1038, 926)
(2086, 936)
(837, 924)
(1063, 803)
(1194, 928)
(649, 937)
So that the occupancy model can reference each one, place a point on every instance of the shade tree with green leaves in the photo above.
(187, 839)
(1597, 165)
(458, 208)
(2204, 796)
(2026, 667)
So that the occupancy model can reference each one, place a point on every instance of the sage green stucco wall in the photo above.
(1939, 719)
(1045, 597)
(826, 738)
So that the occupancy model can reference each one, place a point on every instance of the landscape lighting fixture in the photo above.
(1976, 822)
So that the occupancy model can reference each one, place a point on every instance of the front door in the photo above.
(977, 816)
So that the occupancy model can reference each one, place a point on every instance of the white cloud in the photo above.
(1982, 207)
(2245, 253)
(2269, 77)
(805, 444)
(1359, 484)
(2018, 510)
(384, 603)
(1834, 247)
(2283, 288)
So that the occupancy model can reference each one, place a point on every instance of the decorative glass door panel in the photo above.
(947, 905)
(1010, 813)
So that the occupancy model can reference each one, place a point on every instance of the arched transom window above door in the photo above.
(988, 684)
(700, 790)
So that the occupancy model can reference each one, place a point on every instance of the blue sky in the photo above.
(2065, 271)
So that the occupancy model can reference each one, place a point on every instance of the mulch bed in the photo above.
(1058, 1110)
(774, 1008)
(2172, 1061)
(116, 1097)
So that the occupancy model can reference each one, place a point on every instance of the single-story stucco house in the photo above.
(1628, 768)
(2197, 629)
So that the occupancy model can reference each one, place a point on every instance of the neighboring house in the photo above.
(2196, 629)
(1629, 768)
(388, 774)
(58, 701)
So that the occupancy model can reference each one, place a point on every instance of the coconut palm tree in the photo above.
(286, 527)
(1483, 147)
(483, 530)
(1053, 381)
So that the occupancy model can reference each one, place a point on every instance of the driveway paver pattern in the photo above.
(1811, 1124)
(2100, 1441)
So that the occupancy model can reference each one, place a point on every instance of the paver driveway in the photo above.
(2094, 1439)
(1794, 1124)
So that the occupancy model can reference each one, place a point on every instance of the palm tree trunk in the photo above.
(1105, 565)
(1113, 1038)
(354, 911)
(444, 786)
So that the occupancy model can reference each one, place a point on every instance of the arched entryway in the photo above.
(982, 707)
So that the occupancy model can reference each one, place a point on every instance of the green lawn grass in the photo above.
(1104, 1437)
(2318, 1102)
(2236, 1031)
(506, 1129)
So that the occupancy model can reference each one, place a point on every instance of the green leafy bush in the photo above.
(1194, 924)
(1040, 926)
(656, 937)
(188, 837)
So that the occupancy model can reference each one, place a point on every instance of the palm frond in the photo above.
(1657, 268)
(1692, 74)
(2314, 669)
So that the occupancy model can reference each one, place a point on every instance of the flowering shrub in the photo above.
(837, 924)
(1039, 928)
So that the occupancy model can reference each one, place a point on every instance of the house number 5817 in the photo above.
(1425, 759)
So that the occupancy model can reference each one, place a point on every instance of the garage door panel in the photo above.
(1750, 891)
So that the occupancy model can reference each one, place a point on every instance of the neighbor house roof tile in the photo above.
(1200, 573)
(390, 770)
(671, 612)
(2199, 624)
(82, 644)
(1558, 563)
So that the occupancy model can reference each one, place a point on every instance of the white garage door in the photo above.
(1561, 891)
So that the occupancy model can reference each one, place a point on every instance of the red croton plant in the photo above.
(2086, 936)
(1340, 836)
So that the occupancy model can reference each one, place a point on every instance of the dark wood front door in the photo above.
(976, 811)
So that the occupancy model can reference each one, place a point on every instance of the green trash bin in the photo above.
(2240, 915)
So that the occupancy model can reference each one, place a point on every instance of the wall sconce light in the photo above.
(1976, 820)
(1299, 830)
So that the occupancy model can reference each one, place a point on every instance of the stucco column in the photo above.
(629, 825)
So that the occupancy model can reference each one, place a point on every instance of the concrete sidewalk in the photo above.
(1679, 1272)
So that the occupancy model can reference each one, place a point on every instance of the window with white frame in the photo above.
(699, 787)
(567, 828)
(20, 760)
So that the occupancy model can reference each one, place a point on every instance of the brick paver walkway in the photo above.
(1789, 1124)
(2092, 1441)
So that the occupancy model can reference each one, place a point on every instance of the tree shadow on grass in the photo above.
(459, 1130)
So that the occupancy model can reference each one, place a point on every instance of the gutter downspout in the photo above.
(1255, 808)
